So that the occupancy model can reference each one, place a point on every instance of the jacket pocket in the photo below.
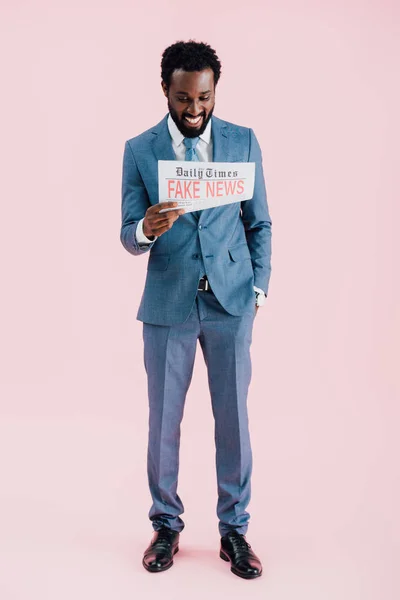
(239, 252)
(158, 262)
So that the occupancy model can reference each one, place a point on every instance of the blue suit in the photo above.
(231, 244)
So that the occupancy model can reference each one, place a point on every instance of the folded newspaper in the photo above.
(197, 185)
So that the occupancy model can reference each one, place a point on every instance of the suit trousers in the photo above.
(169, 354)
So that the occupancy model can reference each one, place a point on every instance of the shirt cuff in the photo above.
(140, 237)
(257, 289)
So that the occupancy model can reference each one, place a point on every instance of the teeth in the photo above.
(194, 121)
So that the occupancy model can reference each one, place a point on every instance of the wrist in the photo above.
(146, 231)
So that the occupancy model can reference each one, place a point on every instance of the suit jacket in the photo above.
(231, 243)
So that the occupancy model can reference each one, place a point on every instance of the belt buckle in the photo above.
(206, 285)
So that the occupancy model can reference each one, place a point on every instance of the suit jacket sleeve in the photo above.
(135, 202)
(257, 221)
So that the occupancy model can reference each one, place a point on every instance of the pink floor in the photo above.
(74, 524)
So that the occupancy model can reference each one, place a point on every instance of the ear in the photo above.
(164, 88)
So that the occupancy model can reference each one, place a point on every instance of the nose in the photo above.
(195, 108)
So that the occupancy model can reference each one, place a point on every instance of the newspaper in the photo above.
(197, 185)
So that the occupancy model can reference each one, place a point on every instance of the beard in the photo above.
(189, 132)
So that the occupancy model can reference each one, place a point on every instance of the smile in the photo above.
(193, 121)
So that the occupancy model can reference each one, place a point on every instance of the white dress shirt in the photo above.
(204, 151)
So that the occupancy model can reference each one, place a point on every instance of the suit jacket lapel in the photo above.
(220, 140)
(162, 145)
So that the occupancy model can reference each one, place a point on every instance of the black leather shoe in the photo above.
(159, 554)
(236, 549)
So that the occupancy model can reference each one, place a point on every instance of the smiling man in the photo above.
(201, 100)
(207, 274)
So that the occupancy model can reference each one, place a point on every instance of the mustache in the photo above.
(191, 117)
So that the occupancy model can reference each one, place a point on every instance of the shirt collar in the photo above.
(178, 137)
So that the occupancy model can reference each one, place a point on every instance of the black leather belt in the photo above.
(204, 285)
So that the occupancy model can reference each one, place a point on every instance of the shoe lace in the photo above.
(239, 543)
(163, 537)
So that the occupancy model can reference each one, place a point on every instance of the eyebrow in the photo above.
(201, 93)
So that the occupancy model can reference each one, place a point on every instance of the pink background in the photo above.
(318, 82)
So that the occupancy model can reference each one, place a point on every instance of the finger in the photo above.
(164, 217)
(163, 227)
(164, 205)
(155, 208)
(160, 230)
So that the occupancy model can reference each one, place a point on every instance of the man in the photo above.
(208, 272)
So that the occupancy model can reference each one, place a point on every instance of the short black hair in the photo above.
(189, 56)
